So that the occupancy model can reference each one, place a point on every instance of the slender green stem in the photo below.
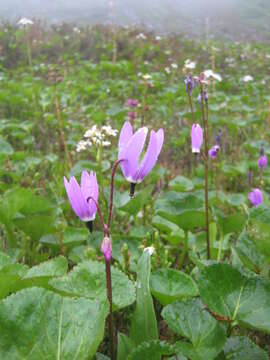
(217, 180)
(204, 110)
(261, 178)
(184, 251)
(191, 106)
(110, 319)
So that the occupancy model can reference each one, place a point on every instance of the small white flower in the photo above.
(174, 66)
(150, 250)
(146, 62)
(168, 52)
(106, 143)
(82, 145)
(25, 22)
(190, 64)
(109, 130)
(76, 30)
(210, 74)
(247, 78)
(168, 70)
(158, 38)
(263, 81)
(147, 77)
(141, 36)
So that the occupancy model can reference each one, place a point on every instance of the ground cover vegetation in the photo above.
(120, 245)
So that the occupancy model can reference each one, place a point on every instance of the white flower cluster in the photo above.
(210, 74)
(189, 64)
(25, 22)
(96, 136)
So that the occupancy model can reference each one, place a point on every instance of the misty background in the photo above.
(230, 19)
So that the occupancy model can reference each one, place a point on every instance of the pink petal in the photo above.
(132, 152)
(124, 137)
(150, 157)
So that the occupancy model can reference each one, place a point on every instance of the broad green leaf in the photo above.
(259, 227)
(163, 224)
(124, 346)
(10, 275)
(181, 183)
(54, 267)
(144, 323)
(169, 285)
(229, 293)
(151, 350)
(242, 348)
(5, 148)
(88, 280)
(191, 320)
(38, 324)
(248, 253)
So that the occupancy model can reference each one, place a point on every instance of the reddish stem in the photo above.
(104, 226)
(111, 192)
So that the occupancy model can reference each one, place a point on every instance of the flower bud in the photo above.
(106, 248)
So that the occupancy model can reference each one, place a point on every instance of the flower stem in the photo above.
(261, 178)
(217, 184)
(110, 319)
(191, 106)
(115, 165)
(204, 110)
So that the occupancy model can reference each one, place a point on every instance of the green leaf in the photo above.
(124, 346)
(242, 348)
(181, 183)
(88, 280)
(5, 148)
(229, 293)
(39, 324)
(248, 253)
(169, 285)
(191, 320)
(151, 350)
(144, 323)
(259, 228)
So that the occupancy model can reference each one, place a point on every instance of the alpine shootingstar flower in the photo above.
(255, 197)
(262, 161)
(80, 196)
(106, 248)
(130, 147)
(213, 152)
(133, 103)
(196, 138)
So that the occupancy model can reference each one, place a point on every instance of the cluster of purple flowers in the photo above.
(84, 197)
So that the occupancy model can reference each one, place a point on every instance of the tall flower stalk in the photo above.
(204, 111)
(84, 198)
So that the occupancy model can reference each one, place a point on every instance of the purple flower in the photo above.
(262, 161)
(80, 196)
(130, 147)
(196, 138)
(205, 95)
(213, 152)
(133, 103)
(106, 248)
(190, 84)
(132, 115)
(255, 197)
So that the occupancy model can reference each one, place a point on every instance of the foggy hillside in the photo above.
(235, 19)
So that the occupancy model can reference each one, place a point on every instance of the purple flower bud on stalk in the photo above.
(218, 137)
(205, 95)
(249, 178)
(190, 84)
(130, 147)
(80, 196)
(132, 115)
(106, 248)
(262, 161)
(196, 138)
(133, 103)
(255, 197)
(213, 152)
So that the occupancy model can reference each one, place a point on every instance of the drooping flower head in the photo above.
(106, 248)
(190, 84)
(80, 197)
(213, 152)
(262, 161)
(132, 103)
(196, 138)
(255, 197)
(130, 147)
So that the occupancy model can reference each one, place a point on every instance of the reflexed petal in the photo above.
(77, 200)
(89, 187)
(132, 152)
(150, 157)
(125, 135)
(160, 139)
